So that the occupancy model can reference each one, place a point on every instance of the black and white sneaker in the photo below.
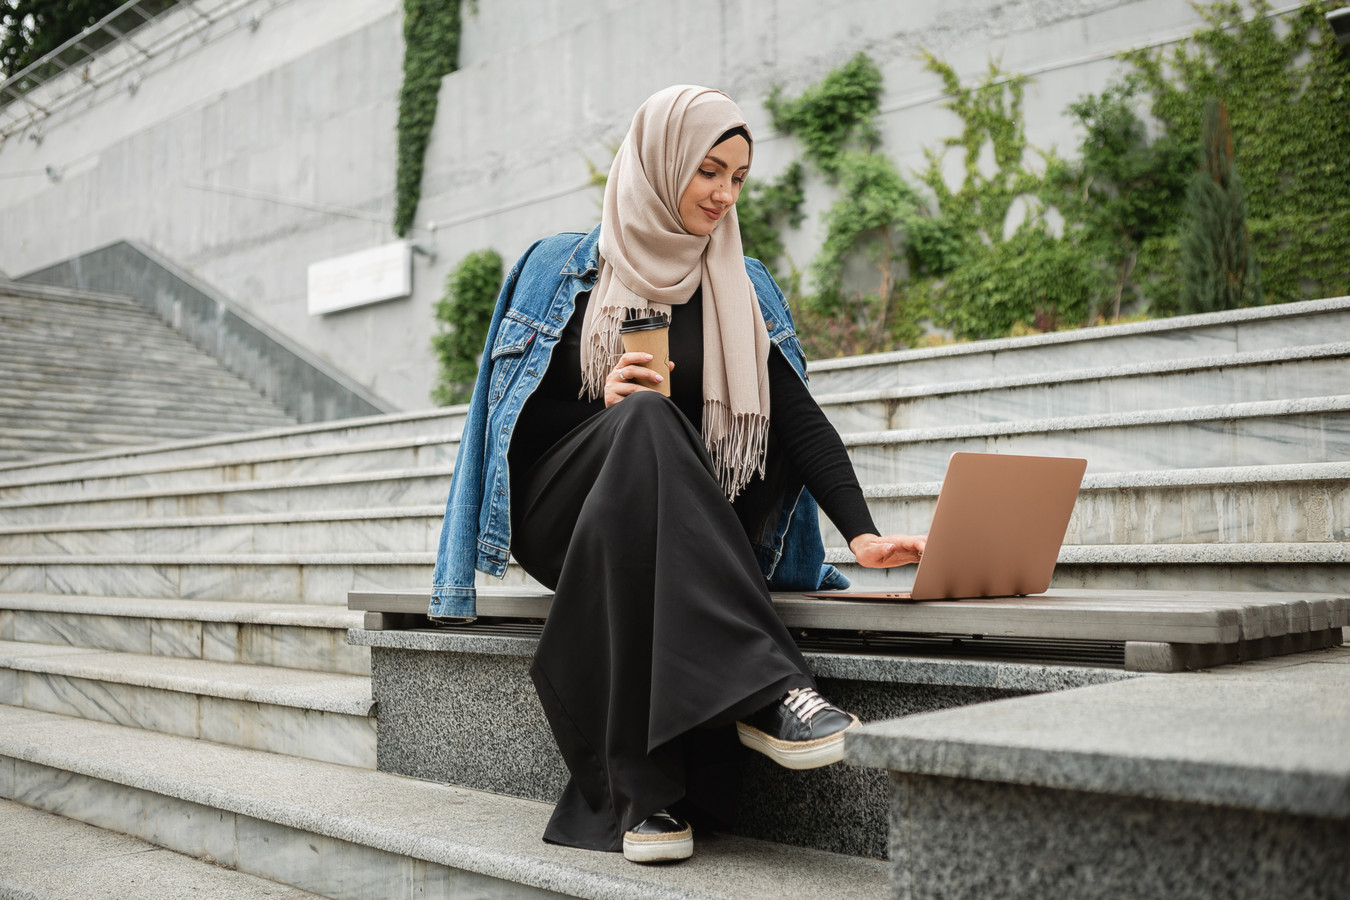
(802, 731)
(658, 838)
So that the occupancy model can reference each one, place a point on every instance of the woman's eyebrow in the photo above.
(721, 163)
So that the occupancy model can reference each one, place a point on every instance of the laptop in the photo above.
(997, 529)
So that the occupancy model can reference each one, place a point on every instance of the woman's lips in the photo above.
(712, 213)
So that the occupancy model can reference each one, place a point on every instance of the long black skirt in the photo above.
(661, 623)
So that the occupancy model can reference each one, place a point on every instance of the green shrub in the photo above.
(465, 312)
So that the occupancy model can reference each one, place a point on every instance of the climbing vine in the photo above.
(1034, 241)
(465, 312)
(1287, 91)
(431, 31)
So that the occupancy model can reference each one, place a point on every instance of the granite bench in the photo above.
(1232, 783)
(456, 705)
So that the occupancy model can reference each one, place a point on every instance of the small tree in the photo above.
(1218, 268)
(465, 312)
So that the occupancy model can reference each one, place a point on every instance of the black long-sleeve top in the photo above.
(796, 421)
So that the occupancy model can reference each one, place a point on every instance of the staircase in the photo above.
(173, 653)
(81, 371)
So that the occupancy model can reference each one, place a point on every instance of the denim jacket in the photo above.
(535, 303)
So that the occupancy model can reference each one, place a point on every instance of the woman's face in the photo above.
(715, 186)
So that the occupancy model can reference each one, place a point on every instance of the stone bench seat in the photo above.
(1158, 631)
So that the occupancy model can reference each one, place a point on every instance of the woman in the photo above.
(660, 524)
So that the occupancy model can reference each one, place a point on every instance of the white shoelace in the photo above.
(805, 703)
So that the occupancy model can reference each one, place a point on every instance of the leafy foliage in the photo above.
(763, 209)
(1217, 268)
(30, 29)
(834, 116)
(1288, 97)
(431, 31)
(465, 312)
(952, 255)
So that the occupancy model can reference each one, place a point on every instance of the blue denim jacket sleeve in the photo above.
(459, 552)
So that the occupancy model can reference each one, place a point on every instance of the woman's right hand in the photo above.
(628, 377)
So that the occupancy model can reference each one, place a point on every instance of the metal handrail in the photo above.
(37, 91)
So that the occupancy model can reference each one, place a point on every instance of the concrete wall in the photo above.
(251, 157)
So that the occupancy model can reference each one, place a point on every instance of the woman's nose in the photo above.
(722, 194)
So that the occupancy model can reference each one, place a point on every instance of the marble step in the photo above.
(335, 435)
(1286, 566)
(291, 636)
(45, 404)
(56, 324)
(168, 378)
(311, 578)
(96, 350)
(396, 529)
(1301, 503)
(419, 451)
(1241, 434)
(143, 429)
(1182, 337)
(317, 715)
(426, 486)
(1286, 373)
(50, 857)
(352, 834)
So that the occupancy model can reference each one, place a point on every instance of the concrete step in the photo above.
(349, 833)
(1301, 503)
(317, 715)
(145, 430)
(397, 453)
(1182, 337)
(50, 857)
(426, 486)
(94, 344)
(396, 529)
(315, 578)
(1287, 566)
(41, 323)
(1286, 373)
(313, 638)
(1228, 783)
(1242, 434)
(114, 406)
(333, 435)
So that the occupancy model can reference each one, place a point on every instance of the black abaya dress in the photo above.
(661, 621)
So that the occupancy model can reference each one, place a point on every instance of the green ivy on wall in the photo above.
(941, 252)
(431, 31)
(465, 312)
(1287, 91)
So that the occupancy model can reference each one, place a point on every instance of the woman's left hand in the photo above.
(876, 552)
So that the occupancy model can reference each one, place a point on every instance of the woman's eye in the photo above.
(738, 179)
(707, 173)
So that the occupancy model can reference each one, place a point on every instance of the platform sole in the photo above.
(797, 754)
(647, 848)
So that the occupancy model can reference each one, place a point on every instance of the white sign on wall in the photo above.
(368, 276)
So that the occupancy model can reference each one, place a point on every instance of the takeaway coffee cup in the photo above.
(650, 334)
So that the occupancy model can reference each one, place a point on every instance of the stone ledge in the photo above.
(1152, 367)
(859, 667)
(470, 830)
(347, 695)
(49, 857)
(1270, 736)
(1174, 416)
(1153, 326)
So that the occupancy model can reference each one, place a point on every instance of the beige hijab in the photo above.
(649, 262)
